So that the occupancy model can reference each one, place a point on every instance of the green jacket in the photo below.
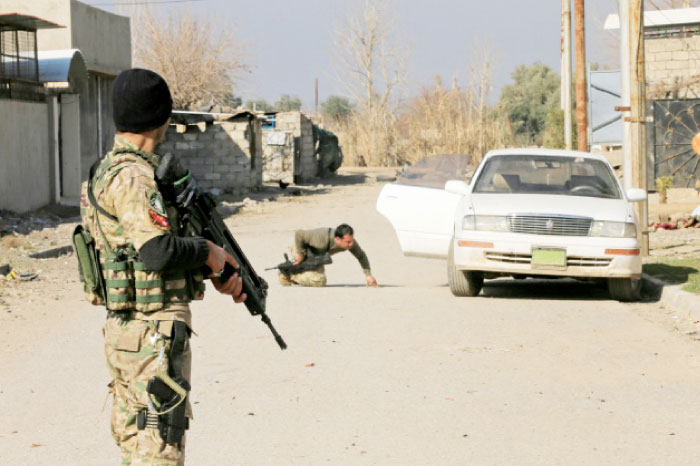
(320, 241)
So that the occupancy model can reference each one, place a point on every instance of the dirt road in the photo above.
(529, 373)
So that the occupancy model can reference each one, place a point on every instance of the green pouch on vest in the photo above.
(119, 281)
(88, 264)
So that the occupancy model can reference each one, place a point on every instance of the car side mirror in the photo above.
(636, 195)
(457, 187)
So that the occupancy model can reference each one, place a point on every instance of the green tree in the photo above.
(259, 105)
(287, 103)
(553, 134)
(533, 94)
(336, 107)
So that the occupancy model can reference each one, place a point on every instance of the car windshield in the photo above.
(540, 174)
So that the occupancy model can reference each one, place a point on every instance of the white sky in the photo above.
(290, 41)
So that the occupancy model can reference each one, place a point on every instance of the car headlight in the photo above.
(613, 229)
(485, 223)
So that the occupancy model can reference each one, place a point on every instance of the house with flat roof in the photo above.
(672, 52)
(76, 64)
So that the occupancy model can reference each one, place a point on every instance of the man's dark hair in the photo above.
(343, 229)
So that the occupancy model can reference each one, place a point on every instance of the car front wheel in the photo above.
(462, 282)
(625, 289)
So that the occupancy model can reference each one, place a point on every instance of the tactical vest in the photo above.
(115, 277)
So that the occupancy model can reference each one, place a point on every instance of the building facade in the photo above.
(80, 117)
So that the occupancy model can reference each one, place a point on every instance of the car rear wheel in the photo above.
(625, 289)
(462, 282)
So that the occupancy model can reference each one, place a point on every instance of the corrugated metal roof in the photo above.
(63, 66)
(660, 18)
(12, 21)
(186, 117)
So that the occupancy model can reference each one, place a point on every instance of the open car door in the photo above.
(418, 207)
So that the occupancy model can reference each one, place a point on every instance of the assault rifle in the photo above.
(198, 217)
(311, 263)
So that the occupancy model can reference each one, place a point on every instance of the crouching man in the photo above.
(324, 241)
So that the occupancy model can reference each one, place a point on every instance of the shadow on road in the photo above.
(47, 217)
(359, 285)
(671, 274)
(565, 289)
(345, 179)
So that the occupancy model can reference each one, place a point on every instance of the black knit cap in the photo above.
(141, 101)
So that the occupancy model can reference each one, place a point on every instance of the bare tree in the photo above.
(202, 61)
(371, 65)
(371, 62)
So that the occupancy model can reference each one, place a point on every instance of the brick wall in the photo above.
(299, 127)
(223, 155)
(673, 67)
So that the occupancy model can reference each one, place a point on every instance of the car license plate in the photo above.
(548, 257)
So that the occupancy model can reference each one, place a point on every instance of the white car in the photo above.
(524, 213)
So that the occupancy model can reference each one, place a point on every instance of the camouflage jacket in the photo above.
(125, 186)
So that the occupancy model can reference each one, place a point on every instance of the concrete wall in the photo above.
(96, 124)
(278, 156)
(301, 129)
(224, 155)
(673, 67)
(104, 39)
(25, 168)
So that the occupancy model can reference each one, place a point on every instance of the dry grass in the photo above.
(437, 121)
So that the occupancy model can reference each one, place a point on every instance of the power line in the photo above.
(146, 2)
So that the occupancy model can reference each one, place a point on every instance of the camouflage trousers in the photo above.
(316, 277)
(132, 348)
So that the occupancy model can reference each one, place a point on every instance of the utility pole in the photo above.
(566, 70)
(625, 66)
(637, 117)
(316, 92)
(581, 93)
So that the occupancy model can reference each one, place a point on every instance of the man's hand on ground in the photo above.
(371, 281)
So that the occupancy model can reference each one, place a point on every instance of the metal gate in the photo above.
(675, 141)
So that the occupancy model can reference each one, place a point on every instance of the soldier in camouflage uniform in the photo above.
(324, 241)
(151, 274)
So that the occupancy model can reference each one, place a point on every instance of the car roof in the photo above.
(544, 152)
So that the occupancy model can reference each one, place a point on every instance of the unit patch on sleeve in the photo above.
(156, 211)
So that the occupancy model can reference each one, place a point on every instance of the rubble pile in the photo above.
(676, 224)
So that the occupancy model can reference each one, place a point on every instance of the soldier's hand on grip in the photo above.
(233, 286)
(217, 259)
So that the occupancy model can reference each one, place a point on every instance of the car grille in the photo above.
(571, 261)
(550, 225)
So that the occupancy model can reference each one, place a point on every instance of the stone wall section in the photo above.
(673, 67)
(223, 155)
(299, 125)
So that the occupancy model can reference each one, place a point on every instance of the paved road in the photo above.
(529, 373)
